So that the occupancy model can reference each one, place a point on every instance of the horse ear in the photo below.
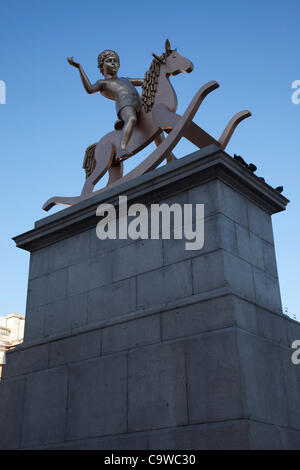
(167, 45)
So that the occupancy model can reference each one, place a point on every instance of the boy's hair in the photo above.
(104, 55)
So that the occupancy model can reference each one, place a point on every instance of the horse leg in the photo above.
(104, 153)
(170, 157)
(115, 172)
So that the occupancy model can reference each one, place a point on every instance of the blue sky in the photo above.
(251, 48)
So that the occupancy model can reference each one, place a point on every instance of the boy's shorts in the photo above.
(130, 99)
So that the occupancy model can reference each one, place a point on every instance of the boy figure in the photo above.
(121, 90)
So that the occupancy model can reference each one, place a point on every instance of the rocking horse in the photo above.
(158, 114)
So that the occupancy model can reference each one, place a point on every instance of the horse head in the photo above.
(174, 62)
(156, 87)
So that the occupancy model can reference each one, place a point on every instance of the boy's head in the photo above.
(108, 61)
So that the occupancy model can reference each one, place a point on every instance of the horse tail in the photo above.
(89, 162)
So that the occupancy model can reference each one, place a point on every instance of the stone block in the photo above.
(214, 378)
(177, 199)
(156, 387)
(65, 315)
(232, 204)
(11, 411)
(245, 315)
(98, 397)
(24, 361)
(267, 291)
(208, 272)
(45, 407)
(174, 249)
(250, 247)
(270, 259)
(57, 285)
(207, 194)
(227, 230)
(222, 269)
(272, 326)
(264, 437)
(137, 258)
(290, 439)
(112, 301)
(99, 247)
(39, 262)
(75, 348)
(220, 436)
(70, 251)
(49, 288)
(37, 293)
(90, 274)
(198, 318)
(219, 232)
(263, 380)
(164, 285)
(260, 222)
(34, 324)
(131, 334)
(123, 442)
(238, 276)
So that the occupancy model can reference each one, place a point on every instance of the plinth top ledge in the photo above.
(153, 187)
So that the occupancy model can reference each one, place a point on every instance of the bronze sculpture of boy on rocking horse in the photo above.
(121, 90)
(142, 120)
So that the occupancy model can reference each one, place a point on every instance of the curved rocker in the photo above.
(231, 126)
(167, 120)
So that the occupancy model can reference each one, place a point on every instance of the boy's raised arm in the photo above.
(86, 83)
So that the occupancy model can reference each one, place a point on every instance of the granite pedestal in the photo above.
(145, 345)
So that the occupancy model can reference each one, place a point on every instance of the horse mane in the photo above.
(151, 81)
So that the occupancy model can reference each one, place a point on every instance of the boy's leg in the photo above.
(128, 114)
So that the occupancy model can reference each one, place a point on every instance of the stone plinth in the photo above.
(144, 345)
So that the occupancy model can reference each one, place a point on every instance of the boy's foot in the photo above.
(119, 124)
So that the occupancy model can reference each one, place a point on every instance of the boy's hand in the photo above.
(72, 62)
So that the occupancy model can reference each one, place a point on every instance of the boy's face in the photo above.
(110, 65)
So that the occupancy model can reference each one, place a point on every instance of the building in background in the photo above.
(11, 334)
